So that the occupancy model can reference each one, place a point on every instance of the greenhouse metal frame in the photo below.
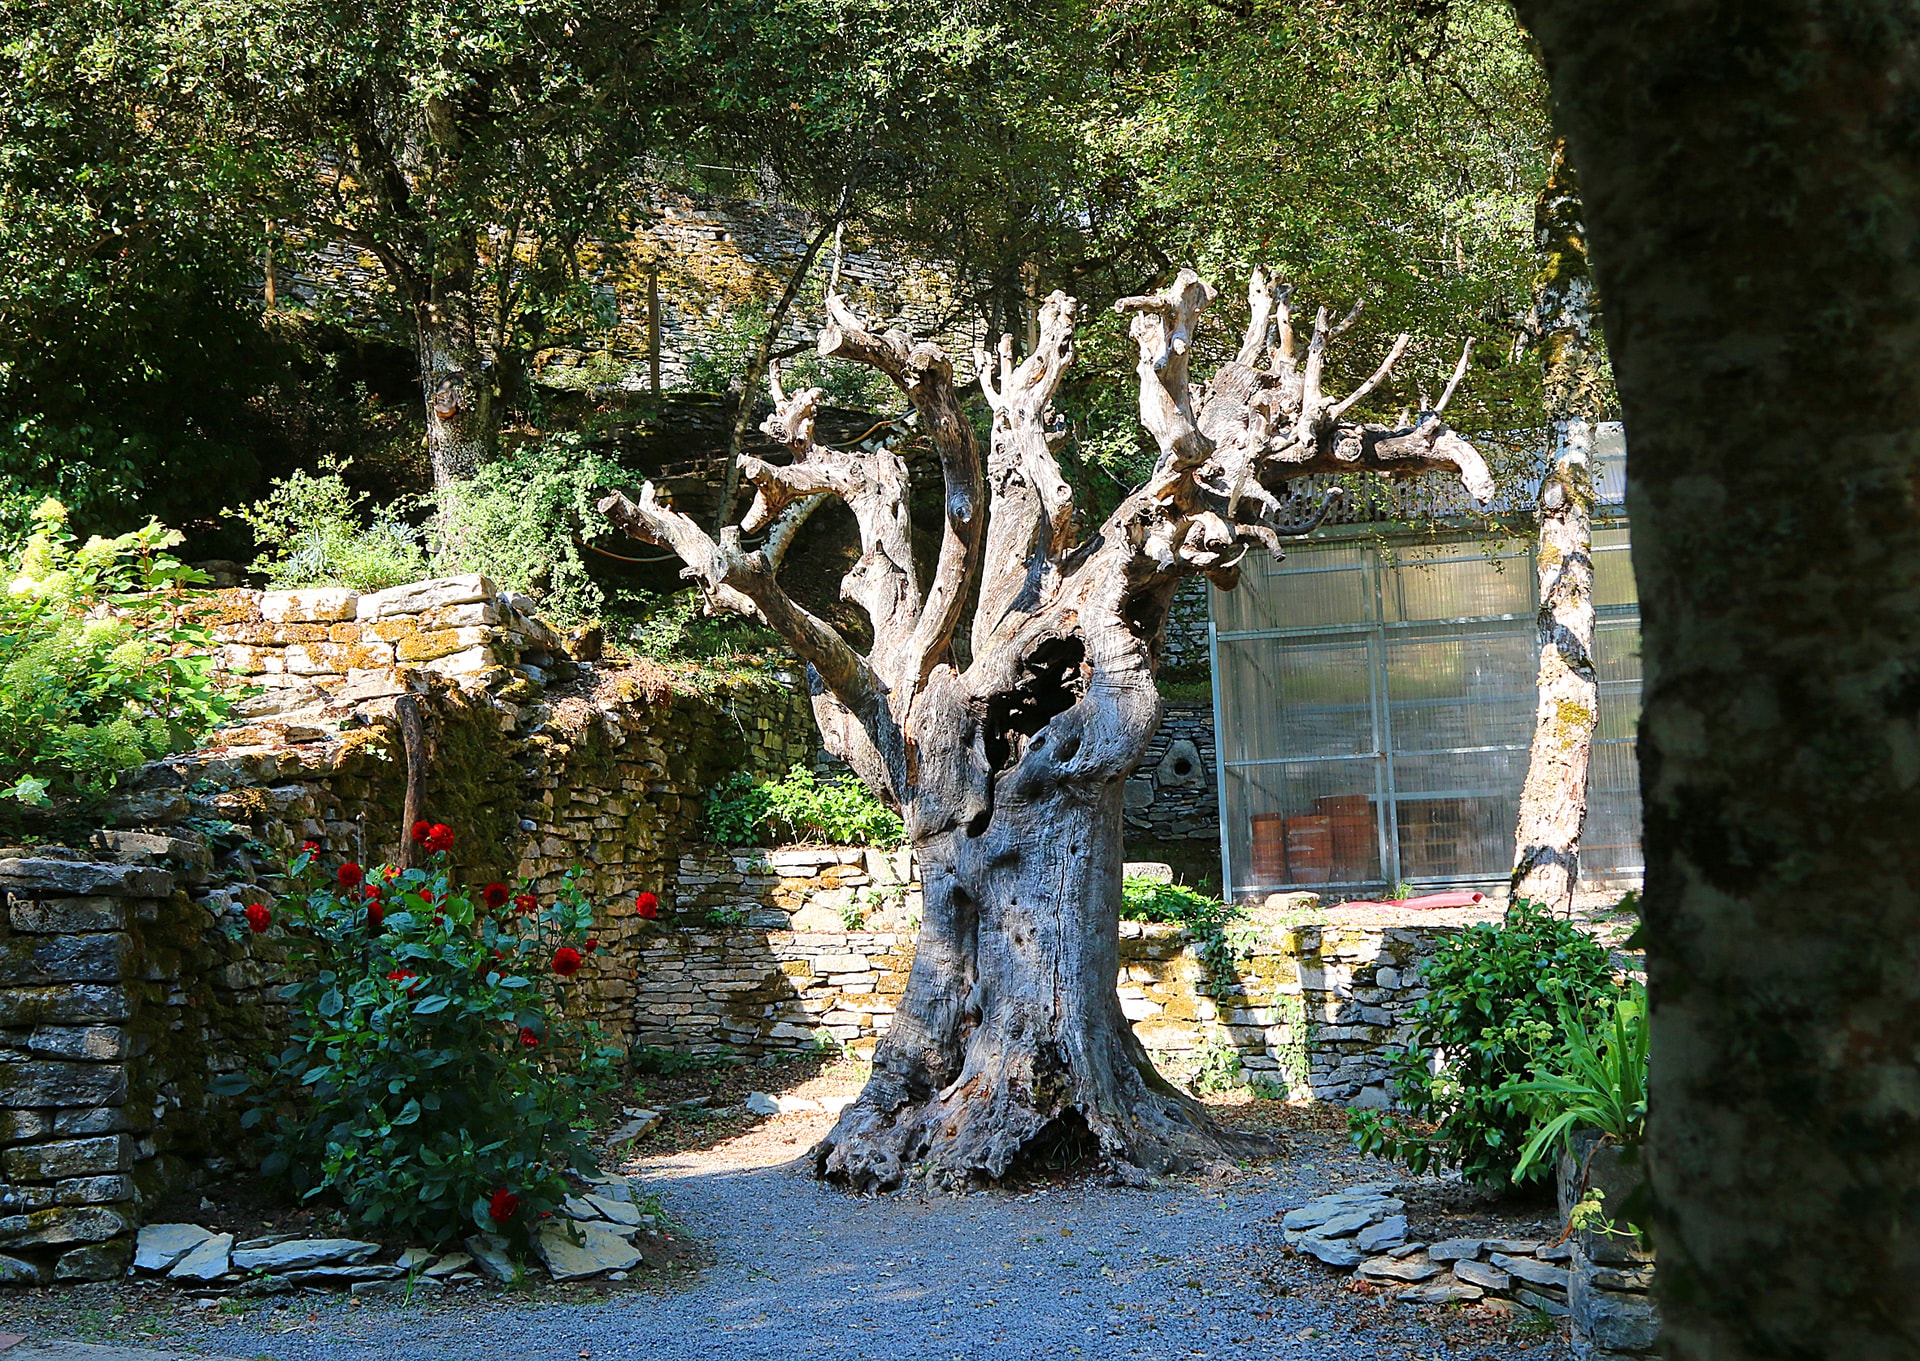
(1374, 700)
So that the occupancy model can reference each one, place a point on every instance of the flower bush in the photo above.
(433, 1083)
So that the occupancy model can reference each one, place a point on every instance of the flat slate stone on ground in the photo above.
(1546, 1304)
(489, 1253)
(1456, 1249)
(619, 1211)
(208, 1262)
(1390, 1232)
(1351, 1221)
(1398, 1269)
(1527, 1269)
(598, 1250)
(159, 1246)
(337, 1275)
(1441, 1292)
(1333, 1251)
(300, 1253)
(447, 1265)
(1483, 1274)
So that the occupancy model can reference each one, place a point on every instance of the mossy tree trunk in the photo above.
(1010, 772)
(1751, 177)
(1553, 802)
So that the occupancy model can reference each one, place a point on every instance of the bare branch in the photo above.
(742, 581)
(780, 537)
(920, 636)
(1163, 329)
(1260, 302)
(1379, 376)
(1459, 372)
(1032, 518)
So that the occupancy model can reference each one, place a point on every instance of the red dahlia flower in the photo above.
(376, 915)
(421, 830)
(426, 895)
(503, 1207)
(258, 917)
(309, 848)
(647, 906)
(525, 902)
(528, 1039)
(406, 978)
(349, 875)
(439, 837)
(494, 895)
(591, 945)
(566, 961)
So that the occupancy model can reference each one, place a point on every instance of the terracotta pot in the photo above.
(1310, 849)
(1269, 849)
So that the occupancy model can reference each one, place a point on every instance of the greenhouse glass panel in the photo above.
(1375, 703)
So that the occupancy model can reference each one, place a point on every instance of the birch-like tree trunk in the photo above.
(1010, 773)
(1553, 802)
(1751, 175)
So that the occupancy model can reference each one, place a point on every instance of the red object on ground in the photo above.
(1426, 902)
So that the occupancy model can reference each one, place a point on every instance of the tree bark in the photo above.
(1751, 174)
(1010, 773)
(458, 393)
(1553, 802)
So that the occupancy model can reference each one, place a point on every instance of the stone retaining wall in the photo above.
(121, 998)
(782, 950)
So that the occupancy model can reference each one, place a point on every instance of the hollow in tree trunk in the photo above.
(1010, 773)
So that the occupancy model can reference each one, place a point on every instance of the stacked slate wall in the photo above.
(121, 998)
(763, 951)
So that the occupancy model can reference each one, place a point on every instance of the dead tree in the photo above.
(1010, 773)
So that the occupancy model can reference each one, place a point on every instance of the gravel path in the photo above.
(1078, 1270)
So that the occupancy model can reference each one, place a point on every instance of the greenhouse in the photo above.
(1375, 698)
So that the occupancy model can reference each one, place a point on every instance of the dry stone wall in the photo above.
(128, 979)
(762, 951)
(121, 998)
(1174, 793)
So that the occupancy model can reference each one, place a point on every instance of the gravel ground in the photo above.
(1057, 1270)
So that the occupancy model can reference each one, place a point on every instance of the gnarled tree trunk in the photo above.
(1010, 773)
(1553, 802)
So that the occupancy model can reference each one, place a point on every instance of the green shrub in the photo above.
(522, 519)
(433, 1083)
(99, 669)
(743, 811)
(1498, 1000)
(677, 628)
(316, 531)
(1217, 1067)
(1597, 1081)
